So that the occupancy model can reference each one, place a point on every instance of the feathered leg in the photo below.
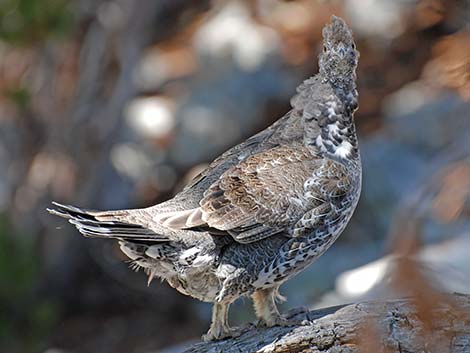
(264, 301)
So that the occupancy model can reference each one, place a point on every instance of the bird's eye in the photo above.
(324, 48)
(353, 46)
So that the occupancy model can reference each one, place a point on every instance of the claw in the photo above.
(281, 321)
(221, 332)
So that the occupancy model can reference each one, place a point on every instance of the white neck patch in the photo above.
(343, 150)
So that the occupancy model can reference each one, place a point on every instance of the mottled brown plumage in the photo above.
(263, 210)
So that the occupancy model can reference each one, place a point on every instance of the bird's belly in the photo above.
(297, 254)
(195, 275)
(241, 263)
(203, 286)
(189, 270)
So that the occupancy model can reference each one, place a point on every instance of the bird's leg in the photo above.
(264, 301)
(220, 328)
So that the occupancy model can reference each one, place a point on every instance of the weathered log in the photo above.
(372, 327)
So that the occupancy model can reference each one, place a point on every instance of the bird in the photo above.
(262, 211)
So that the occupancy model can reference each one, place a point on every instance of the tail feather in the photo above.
(104, 224)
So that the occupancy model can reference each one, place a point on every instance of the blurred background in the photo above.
(117, 104)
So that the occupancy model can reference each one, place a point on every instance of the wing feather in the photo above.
(253, 199)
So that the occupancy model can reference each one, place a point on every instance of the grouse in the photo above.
(262, 211)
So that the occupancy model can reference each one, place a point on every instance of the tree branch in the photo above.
(374, 327)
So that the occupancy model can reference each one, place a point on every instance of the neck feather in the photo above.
(337, 139)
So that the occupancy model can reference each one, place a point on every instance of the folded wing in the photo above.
(261, 196)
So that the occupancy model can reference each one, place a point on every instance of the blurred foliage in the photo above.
(20, 96)
(25, 319)
(26, 21)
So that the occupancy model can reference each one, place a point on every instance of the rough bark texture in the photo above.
(372, 327)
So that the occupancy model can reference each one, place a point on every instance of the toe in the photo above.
(281, 321)
(222, 333)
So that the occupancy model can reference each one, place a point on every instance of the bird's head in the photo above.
(339, 58)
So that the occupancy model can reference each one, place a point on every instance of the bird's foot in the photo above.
(281, 320)
(221, 332)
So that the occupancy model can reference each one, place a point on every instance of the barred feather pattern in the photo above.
(262, 211)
